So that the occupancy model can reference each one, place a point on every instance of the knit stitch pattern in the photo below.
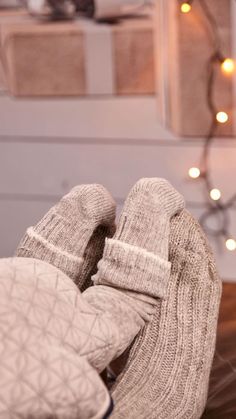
(166, 371)
(71, 235)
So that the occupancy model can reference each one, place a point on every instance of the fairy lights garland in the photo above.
(216, 206)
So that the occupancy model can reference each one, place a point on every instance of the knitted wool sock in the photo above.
(135, 260)
(71, 235)
(167, 371)
(145, 220)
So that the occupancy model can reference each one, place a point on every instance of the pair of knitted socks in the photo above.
(134, 270)
(135, 262)
(71, 235)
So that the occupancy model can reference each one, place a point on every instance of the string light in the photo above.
(216, 207)
(185, 7)
(194, 172)
(227, 66)
(230, 244)
(222, 117)
(215, 194)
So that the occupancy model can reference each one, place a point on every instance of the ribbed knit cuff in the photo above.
(133, 268)
(52, 228)
(35, 245)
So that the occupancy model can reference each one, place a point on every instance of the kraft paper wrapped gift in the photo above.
(80, 57)
(185, 42)
(8, 15)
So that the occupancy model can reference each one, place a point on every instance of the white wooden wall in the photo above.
(48, 146)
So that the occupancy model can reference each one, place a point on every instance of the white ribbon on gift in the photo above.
(99, 59)
(164, 15)
(98, 43)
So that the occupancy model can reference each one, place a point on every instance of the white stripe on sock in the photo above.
(32, 233)
(138, 250)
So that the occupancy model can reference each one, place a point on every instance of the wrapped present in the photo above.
(79, 57)
(185, 43)
(8, 15)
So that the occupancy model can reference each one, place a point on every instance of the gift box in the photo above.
(8, 15)
(80, 57)
(185, 42)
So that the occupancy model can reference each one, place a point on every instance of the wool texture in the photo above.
(129, 274)
(136, 258)
(71, 235)
(165, 372)
(145, 219)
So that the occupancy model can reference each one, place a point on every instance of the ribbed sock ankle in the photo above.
(71, 235)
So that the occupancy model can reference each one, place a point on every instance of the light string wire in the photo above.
(215, 207)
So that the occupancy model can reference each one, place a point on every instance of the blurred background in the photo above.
(111, 91)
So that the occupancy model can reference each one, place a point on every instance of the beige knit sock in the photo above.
(145, 219)
(130, 278)
(167, 369)
(131, 262)
(71, 235)
(136, 258)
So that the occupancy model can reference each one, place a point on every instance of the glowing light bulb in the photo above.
(228, 66)
(194, 172)
(222, 117)
(215, 194)
(185, 7)
(230, 244)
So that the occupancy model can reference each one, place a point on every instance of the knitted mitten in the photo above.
(71, 235)
(167, 371)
